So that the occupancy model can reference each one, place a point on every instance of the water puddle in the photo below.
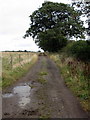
(7, 95)
(23, 92)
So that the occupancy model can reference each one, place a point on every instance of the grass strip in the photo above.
(10, 76)
(73, 74)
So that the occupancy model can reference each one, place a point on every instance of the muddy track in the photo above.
(41, 94)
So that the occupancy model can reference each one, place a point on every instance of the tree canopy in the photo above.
(52, 24)
(84, 8)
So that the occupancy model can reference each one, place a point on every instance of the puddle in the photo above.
(8, 95)
(24, 94)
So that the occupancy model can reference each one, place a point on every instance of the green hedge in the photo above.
(79, 49)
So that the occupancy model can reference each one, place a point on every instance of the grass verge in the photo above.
(76, 75)
(10, 76)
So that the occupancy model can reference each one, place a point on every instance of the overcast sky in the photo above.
(14, 21)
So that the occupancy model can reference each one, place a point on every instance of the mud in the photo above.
(41, 93)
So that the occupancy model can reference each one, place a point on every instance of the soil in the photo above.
(41, 93)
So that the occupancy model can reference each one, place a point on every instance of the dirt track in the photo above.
(41, 94)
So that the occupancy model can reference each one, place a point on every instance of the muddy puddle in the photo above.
(22, 93)
(7, 95)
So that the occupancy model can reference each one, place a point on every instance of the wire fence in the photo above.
(11, 60)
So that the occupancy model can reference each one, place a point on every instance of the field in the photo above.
(15, 65)
(15, 59)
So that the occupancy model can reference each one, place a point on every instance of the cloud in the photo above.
(15, 21)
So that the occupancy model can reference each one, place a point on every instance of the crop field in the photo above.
(15, 64)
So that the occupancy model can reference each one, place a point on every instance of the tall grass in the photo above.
(9, 76)
(11, 60)
(76, 75)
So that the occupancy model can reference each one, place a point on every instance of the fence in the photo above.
(11, 60)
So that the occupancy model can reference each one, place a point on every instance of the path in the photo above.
(41, 94)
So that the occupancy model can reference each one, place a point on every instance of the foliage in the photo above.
(84, 9)
(52, 24)
(51, 41)
(79, 49)
(76, 75)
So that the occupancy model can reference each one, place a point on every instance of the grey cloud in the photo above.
(15, 21)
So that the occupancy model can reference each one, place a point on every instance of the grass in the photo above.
(76, 75)
(45, 117)
(42, 80)
(43, 73)
(11, 59)
(31, 86)
(9, 76)
(44, 109)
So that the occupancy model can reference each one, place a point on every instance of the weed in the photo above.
(31, 86)
(76, 74)
(44, 108)
(43, 73)
(44, 117)
(42, 80)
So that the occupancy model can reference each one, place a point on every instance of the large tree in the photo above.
(52, 24)
(84, 8)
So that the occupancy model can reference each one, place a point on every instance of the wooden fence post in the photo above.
(20, 59)
(11, 61)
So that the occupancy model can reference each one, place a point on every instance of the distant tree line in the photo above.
(17, 51)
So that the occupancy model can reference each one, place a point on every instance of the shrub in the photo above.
(80, 49)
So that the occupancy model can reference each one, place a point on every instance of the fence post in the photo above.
(11, 61)
(28, 56)
(20, 59)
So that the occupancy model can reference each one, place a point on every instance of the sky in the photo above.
(14, 21)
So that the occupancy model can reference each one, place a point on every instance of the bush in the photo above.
(80, 49)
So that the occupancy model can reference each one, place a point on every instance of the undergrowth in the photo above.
(76, 75)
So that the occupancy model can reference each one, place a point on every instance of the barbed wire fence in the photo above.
(13, 61)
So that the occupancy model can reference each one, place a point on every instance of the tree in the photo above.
(51, 41)
(80, 49)
(84, 8)
(52, 24)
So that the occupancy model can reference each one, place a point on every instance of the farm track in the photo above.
(42, 93)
